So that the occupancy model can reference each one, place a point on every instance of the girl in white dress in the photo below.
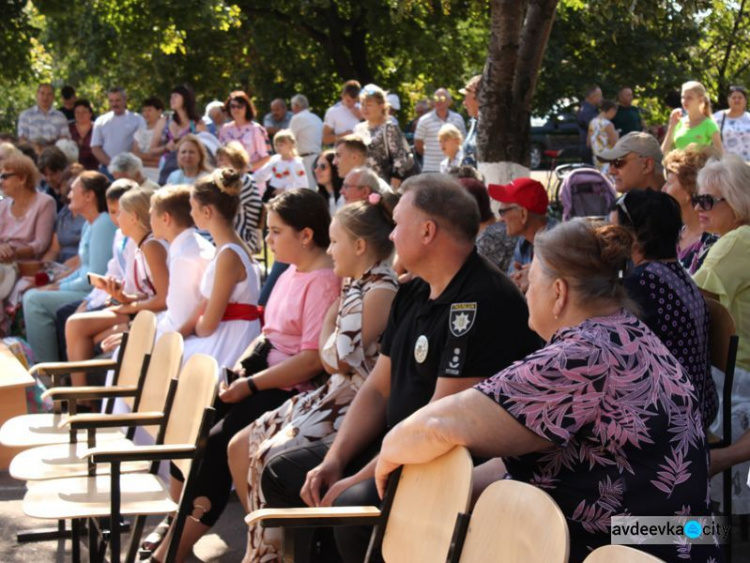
(228, 319)
(285, 170)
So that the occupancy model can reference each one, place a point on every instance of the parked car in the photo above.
(556, 132)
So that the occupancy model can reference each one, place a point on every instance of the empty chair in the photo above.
(620, 554)
(519, 521)
(116, 495)
(64, 460)
(42, 429)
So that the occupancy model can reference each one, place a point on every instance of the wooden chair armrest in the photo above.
(98, 420)
(314, 517)
(107, 454)
(53, 368)
(88, 392)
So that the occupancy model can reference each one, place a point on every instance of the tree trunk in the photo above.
(519, 31)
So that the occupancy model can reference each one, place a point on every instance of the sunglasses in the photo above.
(7, 175)
(741, 89)
(322, 166)
(705, 202)
(620, 204)
(620, 162)
(236, 105)
(504, 210)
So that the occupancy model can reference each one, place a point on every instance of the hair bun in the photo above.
(615, 244)
(227, 180)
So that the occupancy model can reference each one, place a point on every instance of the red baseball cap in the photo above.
(525, 192)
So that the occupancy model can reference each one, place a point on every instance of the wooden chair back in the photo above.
(519, 521)
(140, 343)
(163, 367)
(428, 498)
(620, 554)
(196, 390)
(721, 330)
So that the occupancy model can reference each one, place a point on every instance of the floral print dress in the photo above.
(316, 415)
(626, 427)
(388, 153)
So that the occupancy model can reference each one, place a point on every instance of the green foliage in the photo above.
(270, 49)
(610, 44)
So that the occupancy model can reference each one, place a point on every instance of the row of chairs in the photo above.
(90, 470)
(77, 480)
(408, 527)
(512, 522)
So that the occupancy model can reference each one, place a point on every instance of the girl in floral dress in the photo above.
(349, 344)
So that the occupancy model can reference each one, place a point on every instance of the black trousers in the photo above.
(282, 480)
(214, 479)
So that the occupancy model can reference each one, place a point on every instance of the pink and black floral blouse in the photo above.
(626, 427)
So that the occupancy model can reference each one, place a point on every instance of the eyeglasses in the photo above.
(6, 175)
(620, 204)
(705, 202)
(503, 210)
(620, 162)
(440, 98)
(346, 186)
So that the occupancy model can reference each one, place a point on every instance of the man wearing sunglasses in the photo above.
(635, 163)
(426, 140)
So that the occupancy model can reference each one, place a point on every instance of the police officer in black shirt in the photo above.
(459, 321)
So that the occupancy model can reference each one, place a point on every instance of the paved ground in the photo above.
(225, 544)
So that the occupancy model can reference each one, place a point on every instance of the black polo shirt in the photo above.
(477, 327)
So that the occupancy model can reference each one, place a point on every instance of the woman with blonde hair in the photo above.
(147, 273)
(387, 150)
(192, 161)
(27, 220)
(693, 122)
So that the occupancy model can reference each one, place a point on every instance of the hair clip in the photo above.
(374, 198)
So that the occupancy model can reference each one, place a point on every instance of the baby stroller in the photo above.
(583, 191)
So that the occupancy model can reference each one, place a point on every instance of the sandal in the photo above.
(154, 539)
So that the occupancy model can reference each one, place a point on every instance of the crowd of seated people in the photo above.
(398, 302)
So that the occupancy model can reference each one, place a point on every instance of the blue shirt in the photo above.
(95, 250)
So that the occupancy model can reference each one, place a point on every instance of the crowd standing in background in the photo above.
(397, 297)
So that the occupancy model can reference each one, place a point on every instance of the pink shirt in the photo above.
(35, 228)
(296, 309)
(252, 136)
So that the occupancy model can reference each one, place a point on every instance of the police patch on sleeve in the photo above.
(461, 318)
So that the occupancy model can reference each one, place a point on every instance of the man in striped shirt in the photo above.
(40, 123)
(426, 140)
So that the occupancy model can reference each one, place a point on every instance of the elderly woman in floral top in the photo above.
(603, 418)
